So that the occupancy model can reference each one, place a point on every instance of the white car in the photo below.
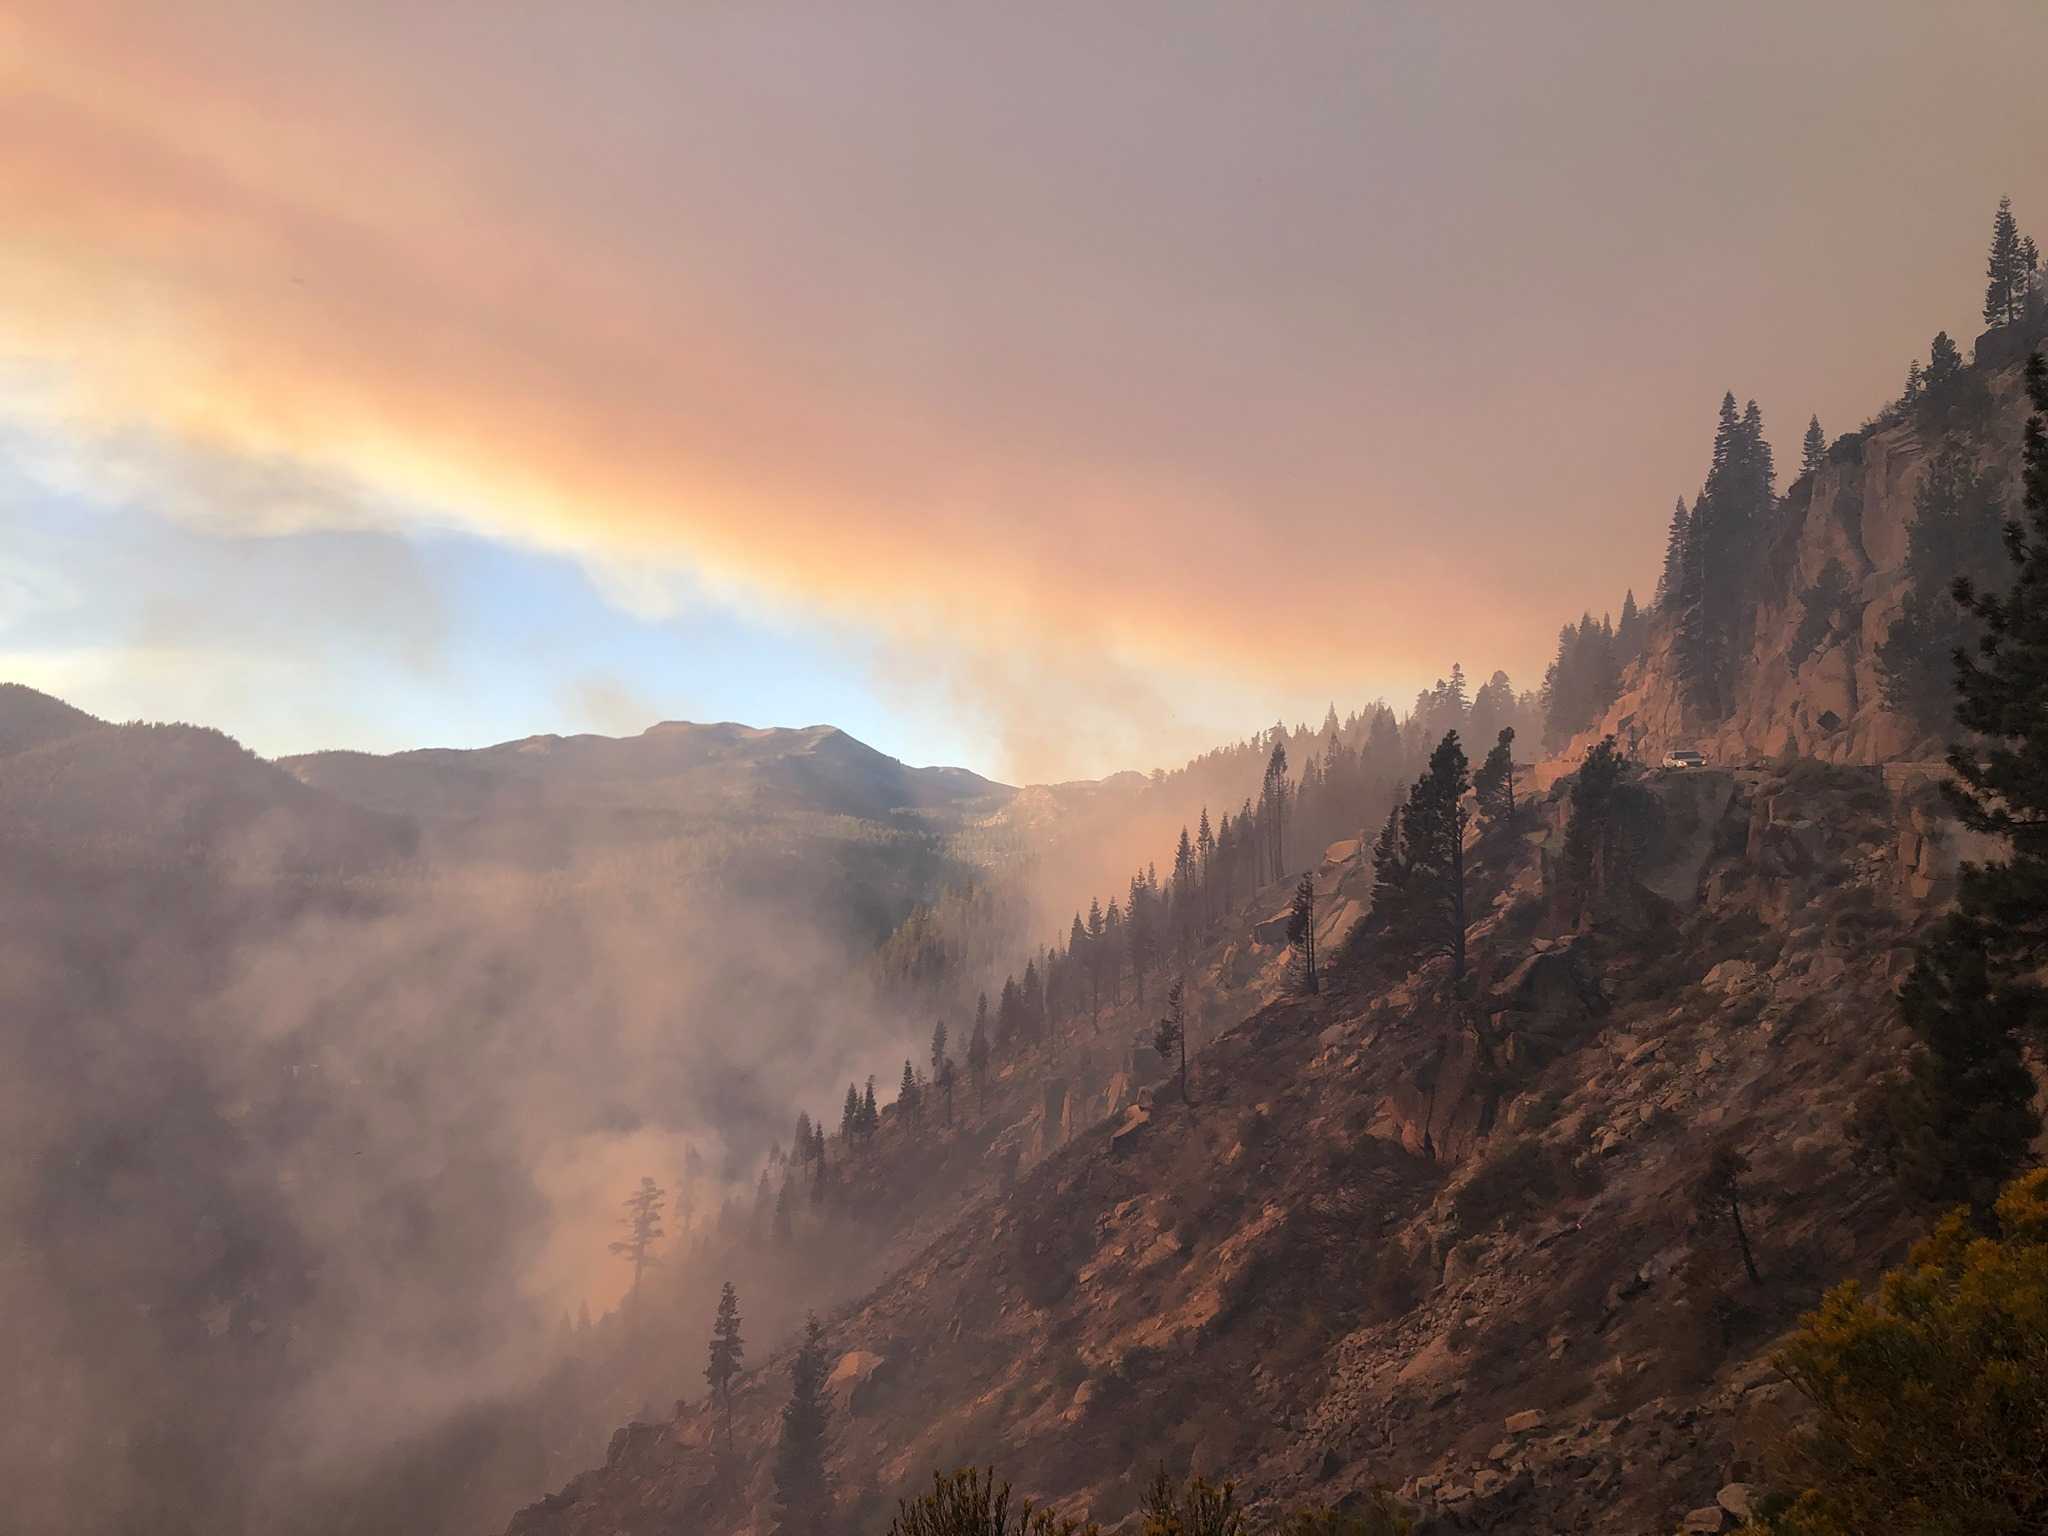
(1684, 757)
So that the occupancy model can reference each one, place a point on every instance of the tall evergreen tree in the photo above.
(1390, 875)
(1944, 363)
(1096, 957)
(642, 1222)
(1301, 937)
(1963, 1116)
(728, 1354)
(1205, 856)
(1588, 856)
(1113, 951)
(1433, 839)
(977, 1054)
(1628, 638)
(2002, 789)
(1139, 938)
(1170, 1034)
(803, 1489)
(1493, 786)
(2005, 292)
(1184, 885)
(938, 1048)
(1274, 805)
(1813, 448)
(1671, 583)
(1727, 520)
(1009, 1010)
(849, 1115)
(1958, 529)
(1719, 1195)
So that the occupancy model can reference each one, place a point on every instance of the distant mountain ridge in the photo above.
(687, 767)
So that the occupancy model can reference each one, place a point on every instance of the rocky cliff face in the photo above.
(1819, 694)
(1402, 1238)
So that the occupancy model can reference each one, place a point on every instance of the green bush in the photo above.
(970, 1502)
(1931, 1400)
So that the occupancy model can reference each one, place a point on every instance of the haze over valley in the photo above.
(773, 772)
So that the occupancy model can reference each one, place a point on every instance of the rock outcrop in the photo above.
(1813, 689)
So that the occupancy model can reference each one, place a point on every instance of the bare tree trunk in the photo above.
(1742, 1239)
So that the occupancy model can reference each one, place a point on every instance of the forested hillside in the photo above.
(1523, 1113)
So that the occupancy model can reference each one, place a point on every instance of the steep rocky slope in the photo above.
(1404, 1239)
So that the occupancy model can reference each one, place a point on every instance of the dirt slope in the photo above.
(1381, 1234)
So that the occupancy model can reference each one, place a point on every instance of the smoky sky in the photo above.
(1296, 347)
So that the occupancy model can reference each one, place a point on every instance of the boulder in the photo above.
(1730, 976)
(1135, 1121)
(1528, 1420)
(854, 1377)
(1710, 1517)
(1739, 1499)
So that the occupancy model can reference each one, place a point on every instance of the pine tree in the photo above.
(728, 1352)
(1113, 950)
(1097, 952)
(1301, 937)
(1031, 1002)
(1205, 855)
(1671, 583)
(1008, 1009)
(1718, 1196)
(2005, 293)
(849, 1116)
(1588, 835)
(1078, 964)
(909, 1100)
(803, 1490)
(1138, 936)
(1962, 1118)
(1727, 519)
(642, 1222)
(938, 1048)
(1170, 1034)
(1958, 529)
(1390, 874)
(1274, 804)
(1433, 844)
(1813, 448)
(1628, 642)
(1944, 363)
(1759, 465)
(944, 1083)
(977, 1054)
(1493, 786)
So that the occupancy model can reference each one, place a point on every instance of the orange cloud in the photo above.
(941, 332)
(197, 257)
